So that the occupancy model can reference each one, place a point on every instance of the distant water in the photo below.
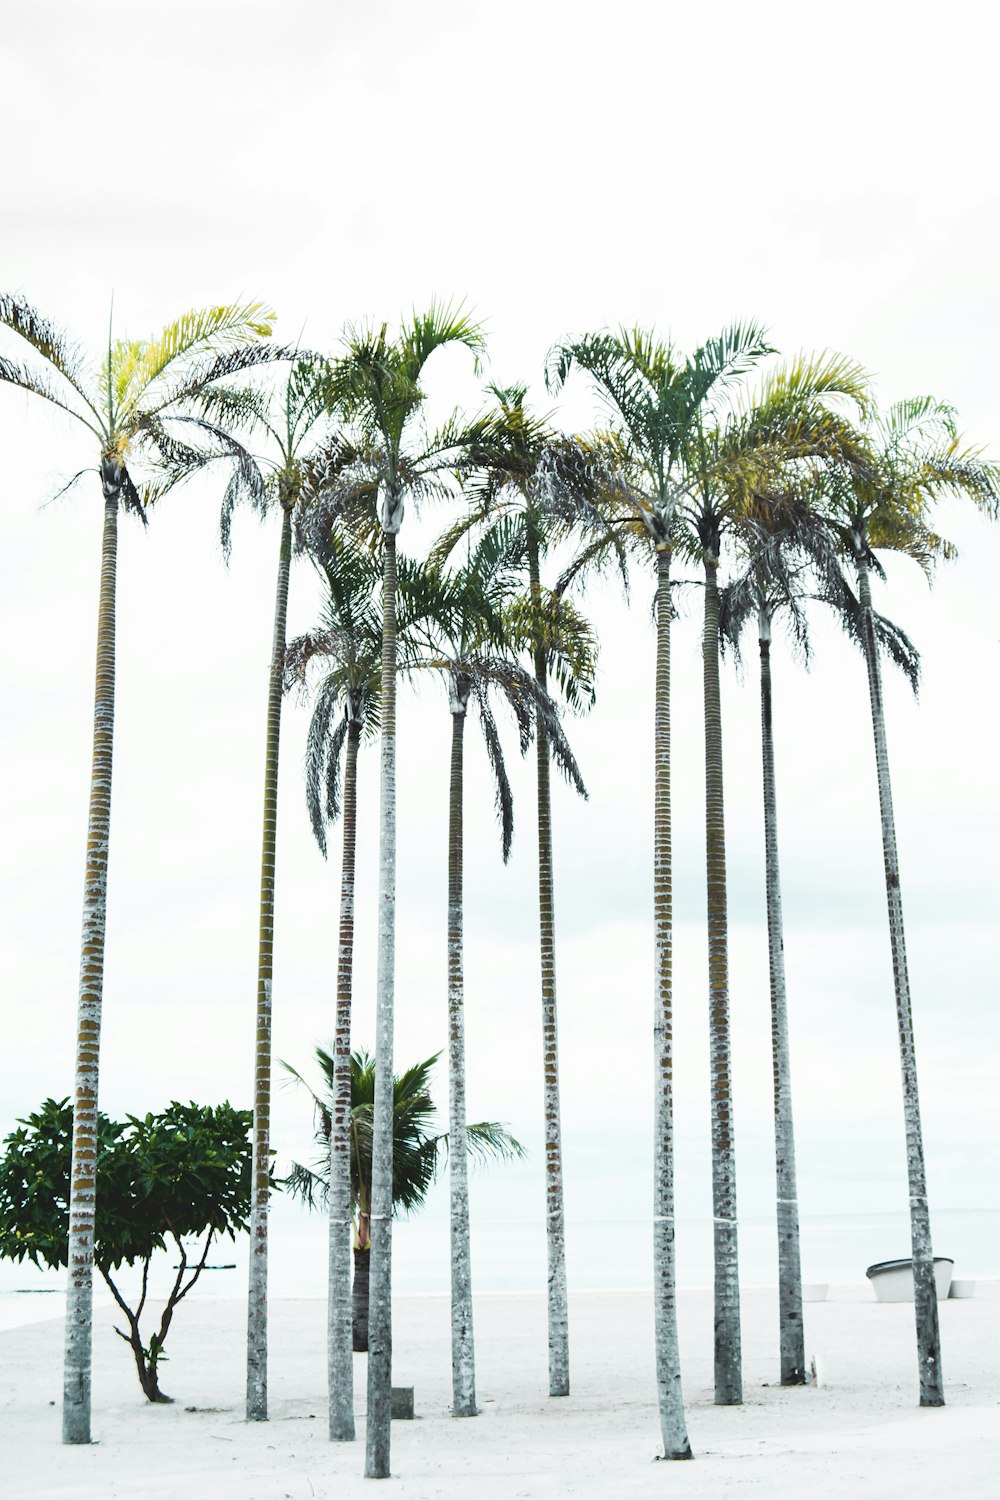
(510, 1257)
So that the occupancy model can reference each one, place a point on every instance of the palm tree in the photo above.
(367, 477)
(464, 631)
(675, 458)
(416, 1157)
(131, 402)
(787, 424)
(289, 418)
(782, 540)
(915, 456)
(656, 400)
(559, 639)
(349, 645)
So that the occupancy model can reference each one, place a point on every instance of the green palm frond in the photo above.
(721, 361)
(441, 324)
(489, 1140)
(811, 377)
(550, 623)
(917, 419)
(135, 366)
(417, 1148)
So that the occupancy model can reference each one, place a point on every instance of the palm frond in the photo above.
(22, 318)
(322, 761)
(503, 797)
(441, 324)
(136, 366)
(489, 1140)
(34, 382)
(205, 371)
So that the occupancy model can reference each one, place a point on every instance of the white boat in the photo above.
(892, 1280)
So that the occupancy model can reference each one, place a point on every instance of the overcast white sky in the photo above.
(829, 170)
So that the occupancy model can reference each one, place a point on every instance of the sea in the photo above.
(510, 1256)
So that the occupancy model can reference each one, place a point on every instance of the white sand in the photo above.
(860, 1432)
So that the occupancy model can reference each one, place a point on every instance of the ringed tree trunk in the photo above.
(668, 1365)
(925, 1294)
(728, 1376)
(378, 1426)
(256, 1406)
(555, 1217)
(360, 1298)
(463, 1371)
(791, 1333)
(83, 1171)
(340, 1315)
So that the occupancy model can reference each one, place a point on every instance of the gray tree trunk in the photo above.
(668, 1364)
(256, 1407)
(83, 1169)
(925, 1298)
(791, 1332)
(463, 1369)
(378, 1427)
(555, 1215)
(340, 1336)
(728, 1374)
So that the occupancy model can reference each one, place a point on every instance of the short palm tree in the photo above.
(560, 641)
(417, 1152)
(293, 417)
(138, 402)
(364, 477)
(464, 627)
(915, 457)
(348, 648)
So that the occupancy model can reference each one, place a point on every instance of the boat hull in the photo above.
(892, 1280)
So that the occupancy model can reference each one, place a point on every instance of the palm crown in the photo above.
(133, 399)
(417, 1148)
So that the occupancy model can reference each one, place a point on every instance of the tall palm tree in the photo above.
(416, 1156)
(559, 640)
(782, 543)
(131, 402)
(465, 633)
(366, 476)
(787, 424)
(349, 646)
(656, 399)
(678, 451)
(293, 419)
(915, 456)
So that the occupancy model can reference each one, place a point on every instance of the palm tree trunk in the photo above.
(360, 1297)
(925, 1294)
(728, 1376)
(791, 1333)
(256, 1406)
(83, 1171)
(340, 1336)
(378, 1427)
(555, 1216)
(668, 1364)
(463, 1371)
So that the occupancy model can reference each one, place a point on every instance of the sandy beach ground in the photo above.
(858, 1431)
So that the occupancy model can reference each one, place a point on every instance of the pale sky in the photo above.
(561, 167)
